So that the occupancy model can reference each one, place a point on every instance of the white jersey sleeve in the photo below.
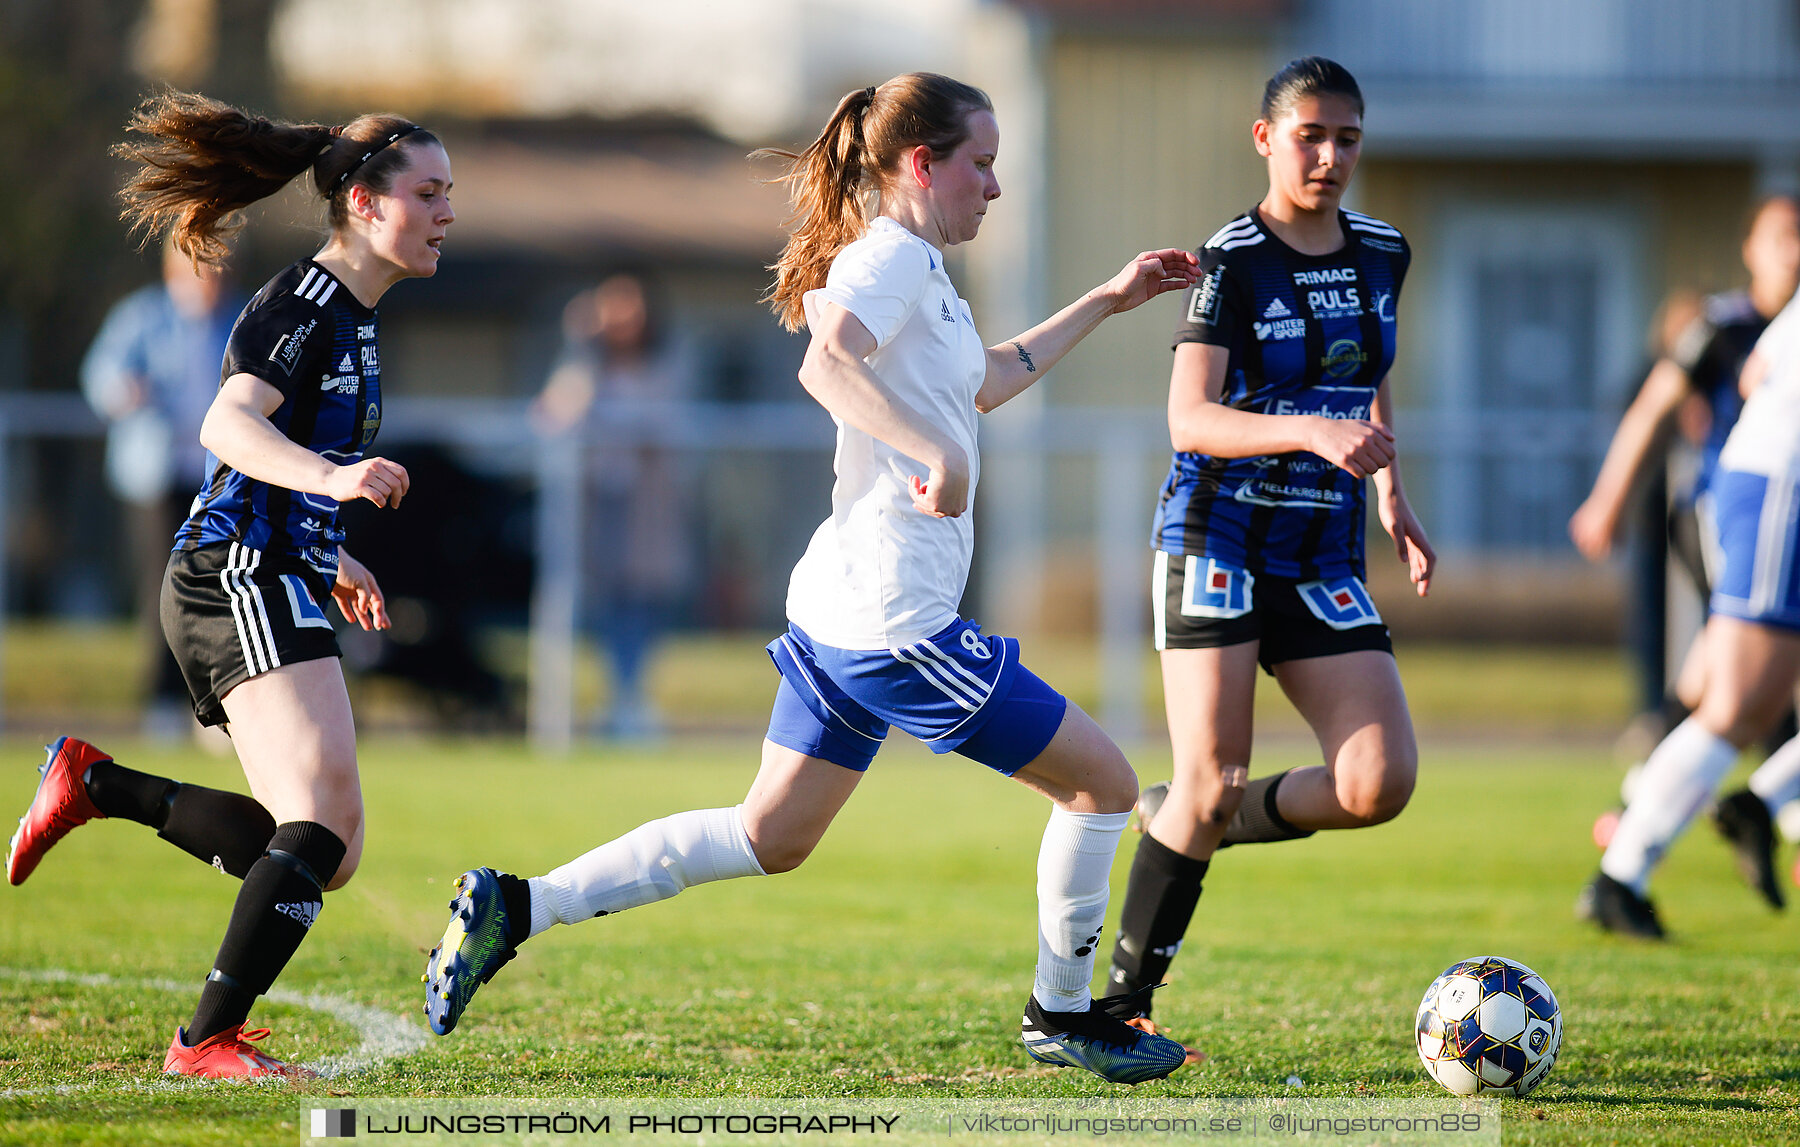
(1766, 439)
(879, 279)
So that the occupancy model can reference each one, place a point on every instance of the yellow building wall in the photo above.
(1691, 215)
(1149, 147)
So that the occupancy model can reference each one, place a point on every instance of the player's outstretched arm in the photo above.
(835, 374)
(1017, 363)
(238, 432)
(1595, 522)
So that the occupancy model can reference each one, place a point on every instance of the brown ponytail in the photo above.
(830, 183)
(202, 162)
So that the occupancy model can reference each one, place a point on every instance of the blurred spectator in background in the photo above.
(151, 373)
(1702, 361)
(621, 383)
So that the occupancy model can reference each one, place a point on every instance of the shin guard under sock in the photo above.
(281, 897)
(1258, 820)
(652, 862)
(227, 830)
(1074, 862)
(1677, 782)
(1159, 903)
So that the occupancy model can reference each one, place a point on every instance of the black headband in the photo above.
(367, 155)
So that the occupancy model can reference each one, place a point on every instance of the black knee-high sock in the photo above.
(1784, 731)
(1673, 712)
(1257, 820)
(281, 898)
(1159, 902)
(227, 830)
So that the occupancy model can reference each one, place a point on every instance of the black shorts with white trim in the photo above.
(1202, 603)
(230, 613)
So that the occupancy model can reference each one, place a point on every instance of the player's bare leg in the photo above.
(1357, 709)
(1751, 669)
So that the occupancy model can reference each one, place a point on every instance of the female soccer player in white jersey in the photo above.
(875, 639)
(242, 602)
(1751, 646)
(1279, 409)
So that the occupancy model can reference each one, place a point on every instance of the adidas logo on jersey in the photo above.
(345, 365)
(305, 911)
(1276, 310)
(944, 311)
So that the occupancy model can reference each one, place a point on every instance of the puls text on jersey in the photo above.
(1337, 302)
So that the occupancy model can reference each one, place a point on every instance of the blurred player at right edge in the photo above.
(1705, 359)
(1278, 409)
(1752, 650)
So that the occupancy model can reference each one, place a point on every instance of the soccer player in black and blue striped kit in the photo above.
(1278, 409)
(260, 556)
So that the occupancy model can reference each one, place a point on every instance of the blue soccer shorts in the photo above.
(1755, 519)
(958, 691)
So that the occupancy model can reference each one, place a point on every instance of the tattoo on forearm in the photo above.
(1025, 357)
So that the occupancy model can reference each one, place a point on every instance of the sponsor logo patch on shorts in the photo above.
(1210, 588)
(1342, 603)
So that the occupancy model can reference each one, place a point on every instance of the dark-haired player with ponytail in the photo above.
(1279, 409)
(243, 600)
(874, 638)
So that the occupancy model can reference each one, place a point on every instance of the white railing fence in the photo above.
(1121, 448)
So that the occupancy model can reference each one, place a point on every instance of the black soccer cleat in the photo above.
(1744, 821)
(1098, 1041)
(1133, 1007)
(1616, 908)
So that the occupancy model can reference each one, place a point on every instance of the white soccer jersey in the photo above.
(879, 574)
(1766, 439)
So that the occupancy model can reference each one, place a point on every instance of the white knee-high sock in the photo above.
(651, 862)
(1073, 866)
(1777, 782)
(1677, 781)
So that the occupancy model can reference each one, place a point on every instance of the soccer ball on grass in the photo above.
(1489, 1025)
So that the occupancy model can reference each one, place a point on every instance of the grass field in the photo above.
(895, 962)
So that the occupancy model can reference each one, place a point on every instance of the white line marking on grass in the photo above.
(384, 1035)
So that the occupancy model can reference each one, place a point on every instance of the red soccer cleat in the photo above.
(228, 1055)
(61, 804)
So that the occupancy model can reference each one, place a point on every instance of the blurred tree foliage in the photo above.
(70, 73)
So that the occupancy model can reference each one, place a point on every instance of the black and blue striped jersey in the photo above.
(1307, 334)
(1712, 350)
(306, 335)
